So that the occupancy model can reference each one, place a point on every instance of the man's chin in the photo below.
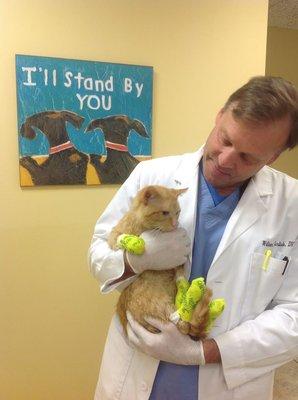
(220, 184)
(218, 180)
(225, 186)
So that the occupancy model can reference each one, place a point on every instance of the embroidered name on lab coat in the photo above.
(278, 243)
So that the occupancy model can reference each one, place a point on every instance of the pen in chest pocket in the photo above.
(286, 259)
(266, 260)
(267, 256)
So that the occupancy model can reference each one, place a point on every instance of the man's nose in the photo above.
(227, 158)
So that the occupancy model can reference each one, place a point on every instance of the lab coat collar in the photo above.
(263, 182)
(187, 171)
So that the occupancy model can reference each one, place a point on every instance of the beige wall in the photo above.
(282, 60)
(53, 319)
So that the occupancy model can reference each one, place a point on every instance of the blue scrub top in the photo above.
(180, 382)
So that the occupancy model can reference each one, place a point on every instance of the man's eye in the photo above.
(226, 142)
(244, 157)
(165, 213)
(247, 159)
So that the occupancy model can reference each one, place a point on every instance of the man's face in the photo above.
(236, 150)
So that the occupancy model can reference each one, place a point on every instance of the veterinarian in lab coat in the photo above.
(255, 266)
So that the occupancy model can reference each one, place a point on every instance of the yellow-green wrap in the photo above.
(192, 297)
(216, 307)
(182, 287)
(132, 243)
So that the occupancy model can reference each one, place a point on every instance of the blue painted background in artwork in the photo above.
(45, 83)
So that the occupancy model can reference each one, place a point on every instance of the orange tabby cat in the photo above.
(153, 293)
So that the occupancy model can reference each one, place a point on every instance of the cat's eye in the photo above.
(165, 213)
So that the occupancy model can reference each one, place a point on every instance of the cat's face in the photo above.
(157, 207)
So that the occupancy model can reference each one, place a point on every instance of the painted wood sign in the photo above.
(81, 122)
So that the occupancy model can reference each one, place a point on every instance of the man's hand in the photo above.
(163, 250)
(169, 345)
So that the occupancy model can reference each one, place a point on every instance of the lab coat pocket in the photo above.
(264, 281)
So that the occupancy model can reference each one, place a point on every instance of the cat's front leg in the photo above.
(112, 239)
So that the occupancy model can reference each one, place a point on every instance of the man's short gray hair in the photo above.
(265, 99)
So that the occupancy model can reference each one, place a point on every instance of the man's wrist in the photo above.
(211, 351)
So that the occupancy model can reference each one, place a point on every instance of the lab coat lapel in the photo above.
(187, 177)
(250, 208)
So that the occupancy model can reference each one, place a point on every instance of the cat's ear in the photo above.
(178, 192)
(149, 194)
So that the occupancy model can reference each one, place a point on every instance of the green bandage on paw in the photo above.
(182, 287)
(132, 243)
(193, 295)
(216, 308)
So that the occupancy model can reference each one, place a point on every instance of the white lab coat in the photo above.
(258, 330)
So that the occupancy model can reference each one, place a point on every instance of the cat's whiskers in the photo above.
(156, 230)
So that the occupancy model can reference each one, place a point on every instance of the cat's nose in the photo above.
(175, 223)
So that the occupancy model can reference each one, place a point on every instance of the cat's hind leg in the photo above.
(174, 317)
(200, 316)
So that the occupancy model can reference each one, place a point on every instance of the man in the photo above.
(241, 217)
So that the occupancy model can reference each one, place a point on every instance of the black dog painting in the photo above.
(119, 162)
(64, 164)
(81, 122)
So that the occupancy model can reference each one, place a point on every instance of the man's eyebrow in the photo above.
(226, 135)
